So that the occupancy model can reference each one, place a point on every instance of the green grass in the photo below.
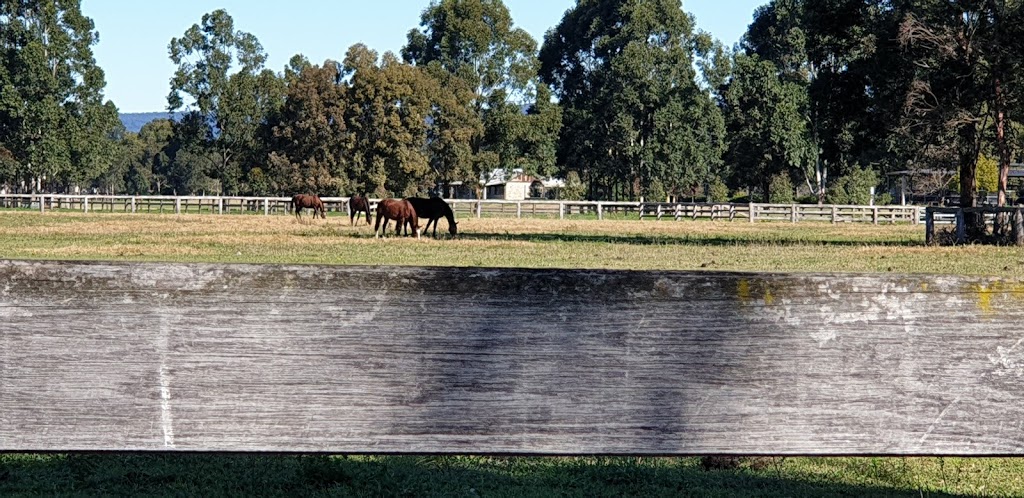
(572, 243)
(470, 476)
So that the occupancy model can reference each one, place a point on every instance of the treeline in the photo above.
(623, 99)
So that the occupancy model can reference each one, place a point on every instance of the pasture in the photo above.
(499, 243)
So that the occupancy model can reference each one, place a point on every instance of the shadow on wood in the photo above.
(202, 357)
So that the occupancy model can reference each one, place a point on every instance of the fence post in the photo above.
(133, 205)
(266, 206)
(220, 205)
(835, 213)
(874, 215)
(561, 210)
(929, 227)
(85, 204)
(751, 214)
(1018, 227)
(177, 205)
(793, 213)
(600, 212)
(479, 208)
(42, 203)
(917, 215)
(961, 227)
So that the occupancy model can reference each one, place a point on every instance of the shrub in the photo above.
(780, 189)
(718, 191)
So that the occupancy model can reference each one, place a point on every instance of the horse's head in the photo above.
(453, 228)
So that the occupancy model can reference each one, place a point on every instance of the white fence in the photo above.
(751, 212)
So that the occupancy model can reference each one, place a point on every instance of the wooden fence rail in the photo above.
(204, 357)
(471, 207)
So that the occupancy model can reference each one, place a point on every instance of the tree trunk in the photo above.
(968, 179)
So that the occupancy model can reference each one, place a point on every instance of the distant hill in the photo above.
(134, 121)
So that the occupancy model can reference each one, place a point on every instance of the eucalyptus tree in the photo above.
(766, 123)
(309, 138)
(477, 42)
(624, 74)
(55, 127)
(963, 54)
(387, 118)
(221, 79)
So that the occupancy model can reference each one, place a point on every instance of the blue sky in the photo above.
(134, 35)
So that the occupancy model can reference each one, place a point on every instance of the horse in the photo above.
(433, 209)
(399, 210)
(303, 201)
(358, 203)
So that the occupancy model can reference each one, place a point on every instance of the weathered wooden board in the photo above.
(129, 356)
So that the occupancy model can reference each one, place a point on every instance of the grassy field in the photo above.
(498, 242)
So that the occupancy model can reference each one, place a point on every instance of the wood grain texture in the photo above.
(194, 357)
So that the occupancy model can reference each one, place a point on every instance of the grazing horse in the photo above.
(303, 201)
(433, 209)
(358, 203)
(399, 210)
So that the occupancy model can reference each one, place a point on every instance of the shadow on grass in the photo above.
(289, 475)
(685, 240)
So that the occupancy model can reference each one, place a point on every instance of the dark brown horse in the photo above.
(399, 210)
(304, 201)
(358, 203)
(433, 209)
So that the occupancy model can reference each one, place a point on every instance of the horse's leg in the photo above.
(376, 227)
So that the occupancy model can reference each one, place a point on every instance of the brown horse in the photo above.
(304, 201)
(433, 209)
(358, 203)
(399, 210)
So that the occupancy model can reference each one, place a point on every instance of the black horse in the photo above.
(358, 203)
(433, 209)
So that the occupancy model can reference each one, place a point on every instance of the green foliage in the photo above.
(765, 120)
(574, 189)
(632, 109)
(54, 124)
(780, 189)
(855, 188)
(220, 70)
(718, 191)
(309, 136)
(655, 191)
(988, 173)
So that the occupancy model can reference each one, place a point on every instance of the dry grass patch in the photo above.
(535, 243)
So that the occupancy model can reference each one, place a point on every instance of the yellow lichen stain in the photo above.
(743, 289)
(768, 298)
(996, 290)
(924, 286)
(984, 298)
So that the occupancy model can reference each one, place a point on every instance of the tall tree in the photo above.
(765, 115)
(55, 128)
(388, 118)
(476, 41)
(220, 70)
(947, 106)
(624, 74)
(310, 137)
